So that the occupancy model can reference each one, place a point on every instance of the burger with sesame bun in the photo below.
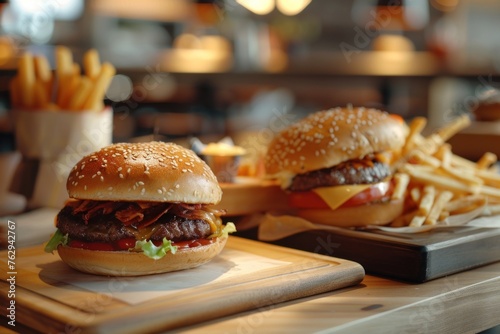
(138, 209)
(336, 166)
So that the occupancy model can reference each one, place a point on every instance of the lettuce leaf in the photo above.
(155, 252)
(57, 239)
(229, 228)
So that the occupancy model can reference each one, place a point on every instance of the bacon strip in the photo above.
(142, 214)
(154, 215)
(129, 215)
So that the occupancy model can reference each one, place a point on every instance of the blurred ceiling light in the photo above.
(394, 43)
(263, 7)
(120, 88)
(35, 27)
(259, 7)
(202, 54)
(59, 10)
(292, 7)
(161, 10)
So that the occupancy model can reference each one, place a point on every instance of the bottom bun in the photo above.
(362, 215)
(123, 263)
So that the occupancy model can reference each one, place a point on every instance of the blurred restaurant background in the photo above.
(219, 68)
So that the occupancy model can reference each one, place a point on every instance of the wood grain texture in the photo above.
(247, 196)
(467, 302)
(52, 306)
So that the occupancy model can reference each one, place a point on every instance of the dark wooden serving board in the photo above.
(409, 257)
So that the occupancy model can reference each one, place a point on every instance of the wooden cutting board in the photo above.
(251, 195)
(53, 298)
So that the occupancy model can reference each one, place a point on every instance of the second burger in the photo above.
(337, 166)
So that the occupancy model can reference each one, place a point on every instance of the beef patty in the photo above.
(359, 171)
(106, 228)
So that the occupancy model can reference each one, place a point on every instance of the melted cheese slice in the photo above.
(338, 195)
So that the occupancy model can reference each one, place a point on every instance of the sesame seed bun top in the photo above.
(329, 137)
(154, 171)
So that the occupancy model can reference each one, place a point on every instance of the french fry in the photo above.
(486, 160)
(402, 181)
(36, 87)
(426, 201)
(441, 181)
(448, 131)
(94, 101)
(444, 154)
(91, 63)
(463, 175)
(490, 191)
(458, 161)
(81, 94)
(489, 178)
(42, 69)
(27, 80)
(64, 71)
(415, 128)
(438, 205)
(73, 83)
(464, 202)
(417, 221)
(40, 94)
(424, 159)
(405, 219)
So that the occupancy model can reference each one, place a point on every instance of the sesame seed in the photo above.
(102, 178)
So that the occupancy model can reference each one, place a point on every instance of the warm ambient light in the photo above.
(292, 7)
(260, 7)
(263, 7)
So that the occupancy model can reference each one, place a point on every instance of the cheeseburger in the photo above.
(336, 165)
(138, 209)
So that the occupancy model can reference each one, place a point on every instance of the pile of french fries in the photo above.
(438, 184)
(37, 87)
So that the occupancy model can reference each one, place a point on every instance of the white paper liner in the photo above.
(278, 226)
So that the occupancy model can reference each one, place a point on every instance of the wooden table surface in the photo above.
(467, 302)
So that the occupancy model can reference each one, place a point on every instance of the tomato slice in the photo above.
(311, 200)
(102, 246)
(127, 243)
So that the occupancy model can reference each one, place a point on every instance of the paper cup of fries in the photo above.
(58, 139)
(60, 116)
(46, 135)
